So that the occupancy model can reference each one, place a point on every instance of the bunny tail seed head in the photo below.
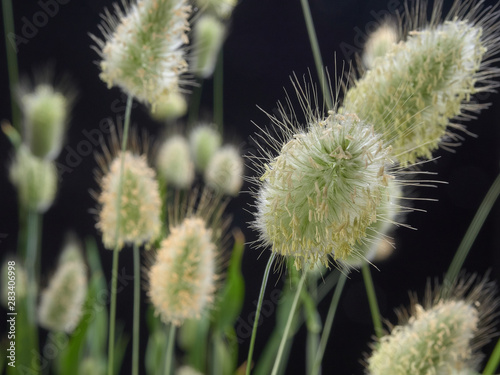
(204, 141)
(442, 336)
(425, 83)
(174, 162)
(182, 279)
(322, 191)
(224, 172)
(140, 203)
(62, 301)
(209, 34)
(142, 51)
(379, 43)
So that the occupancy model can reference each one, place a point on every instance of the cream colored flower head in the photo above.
(441, 336)
(224, 172)
(61, 303)
(379, 43)
(142, 51)
(425, 84)
(204, 141)
(174, 163)
(183, 276)
(137, 221)
(326, 186)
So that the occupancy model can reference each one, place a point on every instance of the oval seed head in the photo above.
(35, 180)
(45, 111)
(224, 173)
(441, 337)
(323, 190)
(182, 279)
(170, 106)
(187, 370)
(413, 94)
(142, 51)
(139, 215)
(204, 141)
(221, 8)
(379, 43)
(62, 301)
(208, 36)
(174, 162)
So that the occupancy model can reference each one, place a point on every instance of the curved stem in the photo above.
(472, 232)
(170, 349)
(11, 51)
(114, 274)
(313, 39)
(284, 338)
(372, 299)
(257, 312)
(137, 310)
(328, 323)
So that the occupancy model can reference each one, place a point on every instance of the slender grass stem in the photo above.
(219, 92)
(313, 39)
(11, 51)
(284, 338)
(328, 323)
(194, 104)
(32, 245)
(471, 234)
(170, 350)
(137, 311)
(494, 360)
(257, 312)
(372, 299)
(114, 272)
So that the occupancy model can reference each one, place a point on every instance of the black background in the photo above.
(267, 43)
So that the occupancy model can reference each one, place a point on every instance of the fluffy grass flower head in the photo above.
(142, 51)
(138, 217)
(224, 172)
(442, 336)
(204, 141)
(183, 276)
(379, 43)
(62, 301)
(322, 191)
(425, 83)
(174, 163)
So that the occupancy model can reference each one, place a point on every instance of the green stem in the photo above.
(8, 24)
(170, 350)
(31, 263)
(137, 310)
(114, 274)
(288, 324)
(372, 299)
(494, 360)
(329, 322)
(313, 39)
(472, 232)
(194, 105)
(257, 312)
(219, 92)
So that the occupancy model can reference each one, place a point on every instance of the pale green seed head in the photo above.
(45, 111)
(204, 141)
(412, 94)
(174, 162)
(182, 278)
(208, 36)
(62, 301)
(323, 190)
(140, 221)
(224, 172)
(220, 8)
(380, 42)
(142, 51)
(35, 180)
(435, 341)
(169, 107)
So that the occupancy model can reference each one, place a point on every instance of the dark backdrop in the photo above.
(267, 43)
